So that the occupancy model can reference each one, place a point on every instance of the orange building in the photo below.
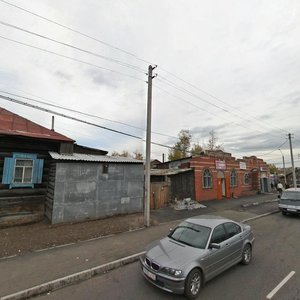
(217, 175)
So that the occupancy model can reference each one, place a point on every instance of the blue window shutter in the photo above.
(38, 171)
(8, 170)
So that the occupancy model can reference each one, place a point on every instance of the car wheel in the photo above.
(284, 213)
(247, 254)
(193, 284)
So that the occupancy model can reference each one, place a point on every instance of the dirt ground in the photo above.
(18, 240)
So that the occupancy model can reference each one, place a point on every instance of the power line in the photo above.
(201, 108)
(74, 47)
(82, 113)
(71, 58)
(76, 31)
(82, 121)
(216, 98)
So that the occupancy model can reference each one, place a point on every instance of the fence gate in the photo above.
(159, 195)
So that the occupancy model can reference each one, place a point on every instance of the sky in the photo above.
(232, 67)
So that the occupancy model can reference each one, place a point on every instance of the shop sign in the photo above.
(263, 169)
(243, 165)
(220, 165)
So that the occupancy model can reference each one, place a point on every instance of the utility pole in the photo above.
(148, 149)
(283, 164)
(292, 160)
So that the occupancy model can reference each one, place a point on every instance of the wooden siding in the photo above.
(20, 204)
(50, 191)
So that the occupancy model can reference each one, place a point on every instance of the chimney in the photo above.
(52, 126)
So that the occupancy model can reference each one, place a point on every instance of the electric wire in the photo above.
(131, 54)
(71, 58)
(84, 114)
(74, 47)
(76, 31)
(217, 98)
(167, 82)
(116, 48)
(84, 122)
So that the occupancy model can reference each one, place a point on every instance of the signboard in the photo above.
(263, 169)
(220, 165)
(243, 165)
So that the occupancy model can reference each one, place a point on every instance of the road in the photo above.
(276, 255)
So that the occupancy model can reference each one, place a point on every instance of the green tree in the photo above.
(273, 169)
(181, 148)
(196, 149)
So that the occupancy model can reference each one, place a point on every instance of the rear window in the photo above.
(289, 195)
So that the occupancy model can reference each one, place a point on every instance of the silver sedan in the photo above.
(197, 250)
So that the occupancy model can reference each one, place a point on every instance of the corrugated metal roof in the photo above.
(13, 124)
(96, 158)
(168, 172)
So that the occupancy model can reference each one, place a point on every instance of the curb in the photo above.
(258, 203)
(71, 279)
(259, 216)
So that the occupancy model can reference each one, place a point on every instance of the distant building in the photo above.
(214, 175)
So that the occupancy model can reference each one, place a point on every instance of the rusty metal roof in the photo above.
(13, 124)
(95, 158)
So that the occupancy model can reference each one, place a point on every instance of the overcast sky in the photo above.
(228, 66)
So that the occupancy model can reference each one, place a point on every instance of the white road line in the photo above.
(280, 285)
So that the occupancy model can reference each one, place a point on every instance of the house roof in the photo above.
(94, 158)
(168, 172)
(13, 124)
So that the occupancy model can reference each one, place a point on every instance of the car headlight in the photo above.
(171, 271)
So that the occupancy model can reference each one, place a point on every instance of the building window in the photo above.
(22, 170)
(105, 169)
(233, 178)
(207, 179)
(246, 179)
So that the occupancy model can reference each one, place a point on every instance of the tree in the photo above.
(125, 153)
(212, 142)
(181, 148)
(138, 155)
(273, 169)
(196, 149)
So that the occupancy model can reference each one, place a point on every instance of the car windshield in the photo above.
(289, 195)
(191, 234)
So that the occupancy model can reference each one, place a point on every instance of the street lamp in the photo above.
(283, 164)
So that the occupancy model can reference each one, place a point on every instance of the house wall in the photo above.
(254, 167)
(182, 185)
(82, 191)
(23, 205)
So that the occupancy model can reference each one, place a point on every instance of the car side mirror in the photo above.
(170, 230)
(214, 246)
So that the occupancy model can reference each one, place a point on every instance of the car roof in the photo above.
(208, 220)
(293, 190)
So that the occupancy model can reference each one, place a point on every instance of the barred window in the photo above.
(207, 178)
(246, 178)
(233, 178)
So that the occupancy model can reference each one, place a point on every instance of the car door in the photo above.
(216, 259)
(234, 241)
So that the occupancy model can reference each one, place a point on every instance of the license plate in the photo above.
(149, 274)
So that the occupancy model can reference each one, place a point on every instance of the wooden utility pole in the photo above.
(148, 150)
(292, 160)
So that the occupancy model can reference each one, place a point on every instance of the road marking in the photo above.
(280, 285)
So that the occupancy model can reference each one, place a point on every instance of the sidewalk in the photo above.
(23, 272)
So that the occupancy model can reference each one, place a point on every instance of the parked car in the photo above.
(289, 201)
(197, 250)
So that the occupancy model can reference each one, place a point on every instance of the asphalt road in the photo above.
(276, 255)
